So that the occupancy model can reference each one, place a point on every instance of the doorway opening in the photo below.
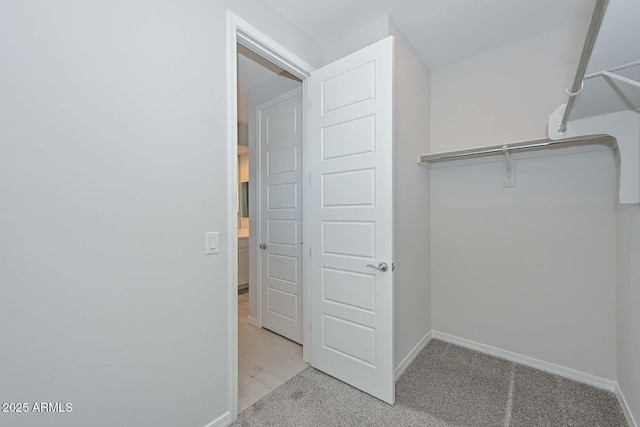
(241, 33)
(342, 211)
(270, 202)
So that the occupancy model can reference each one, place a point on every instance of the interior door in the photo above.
(351, 211)
(280, 142)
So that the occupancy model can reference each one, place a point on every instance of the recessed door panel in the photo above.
(349, 87)
(282, 232)
(281, 125)
(282, 196)
(356, 341)
(349, 138)
(352, 188)
(349, 238)
(283, 304)
(282, 161)
(283, 267)
(350, 288)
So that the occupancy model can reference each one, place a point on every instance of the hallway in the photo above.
(265, 360)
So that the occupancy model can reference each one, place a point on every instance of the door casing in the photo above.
(240, 31)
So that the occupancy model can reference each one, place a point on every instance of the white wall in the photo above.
(243, 134)
(530, 269)
(628, 275)
(623, 126)
(412, 98)
(504, 95)
(277, 86)
(113, 164)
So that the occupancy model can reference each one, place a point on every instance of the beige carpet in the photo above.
(445, 386)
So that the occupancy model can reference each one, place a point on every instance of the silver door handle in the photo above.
(381, 266)
(263, 246)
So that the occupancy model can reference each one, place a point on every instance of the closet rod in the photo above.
(526, 145)
(594, 27)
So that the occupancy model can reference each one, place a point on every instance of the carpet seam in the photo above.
(509, 406)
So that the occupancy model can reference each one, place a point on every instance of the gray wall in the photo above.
(530, 269)
(507, 94)
(628, 303)
(628, 269)
(112, 166)
(412, 99)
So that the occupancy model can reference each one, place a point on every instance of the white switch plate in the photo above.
(211, 243)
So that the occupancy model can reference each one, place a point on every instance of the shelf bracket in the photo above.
(623, 127)
(509, 175)
(622, 79)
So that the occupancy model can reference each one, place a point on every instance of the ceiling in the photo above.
(253, 71)
(441, 31)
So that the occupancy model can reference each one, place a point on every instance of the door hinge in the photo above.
(310, 326)
(309, 177)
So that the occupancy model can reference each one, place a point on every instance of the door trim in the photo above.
(240, 31)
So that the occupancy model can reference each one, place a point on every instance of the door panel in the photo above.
(353, 188)
(361, 292)
(280, 270)
(348, 87)
(282, 232)
(351, 213)
(350, 138)
(282, 197)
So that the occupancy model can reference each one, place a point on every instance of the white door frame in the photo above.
(240, 31)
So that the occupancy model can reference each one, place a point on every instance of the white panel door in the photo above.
(280, 142)
(351, 211)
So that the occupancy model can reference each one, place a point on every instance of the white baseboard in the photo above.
(253, 321)
(412, 355)
(562, 371)
(625, 407)
(222, 421)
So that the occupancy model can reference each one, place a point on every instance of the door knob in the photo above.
(263, 246)
(382, 266)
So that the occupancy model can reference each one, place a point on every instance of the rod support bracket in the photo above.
(509, 175)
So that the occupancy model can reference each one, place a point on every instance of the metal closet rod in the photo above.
(526, 145)
(594, 27)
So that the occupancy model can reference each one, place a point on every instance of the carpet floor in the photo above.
(445, 386)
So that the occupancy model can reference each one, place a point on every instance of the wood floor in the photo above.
(265, 360)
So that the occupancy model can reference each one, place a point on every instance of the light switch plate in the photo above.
(211, 243)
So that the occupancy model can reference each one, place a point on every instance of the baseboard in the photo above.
(222, 421)
(552, 368)
(625, 407)
(253, 321)
(412, 355)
